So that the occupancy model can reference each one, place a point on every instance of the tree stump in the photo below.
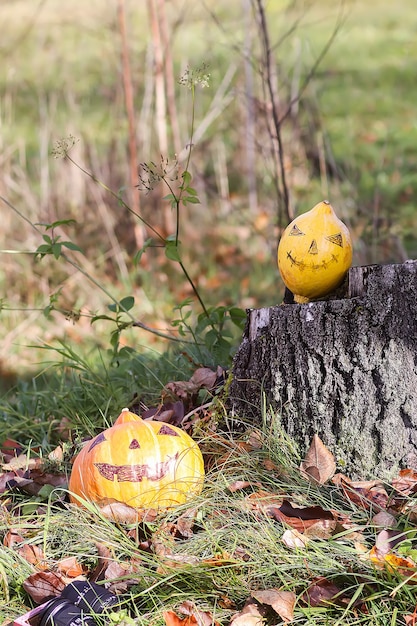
(344, 368)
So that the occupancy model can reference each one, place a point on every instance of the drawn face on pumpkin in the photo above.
(143, 464)
(315, 252)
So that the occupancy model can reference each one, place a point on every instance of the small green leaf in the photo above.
(127, 303)
(56, 249)
(190, 200)
(59, 223)
(186, 179)
(139, 253)
(191, 191)
(172, 251)
(43, 249)
(71, 246)
(238, 317)
(170, 197)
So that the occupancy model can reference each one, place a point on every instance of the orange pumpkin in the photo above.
(144, 464)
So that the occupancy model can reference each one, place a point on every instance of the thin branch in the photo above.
(130, 111)
(264, 34)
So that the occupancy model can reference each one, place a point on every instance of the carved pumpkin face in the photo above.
(314, 253)
(143, 464)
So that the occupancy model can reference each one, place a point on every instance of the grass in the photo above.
(359, 110)
(230, 547)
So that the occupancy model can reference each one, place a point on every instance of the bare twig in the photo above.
(267, 63)
(130, 110)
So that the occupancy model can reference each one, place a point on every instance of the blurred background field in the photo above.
(349, 134)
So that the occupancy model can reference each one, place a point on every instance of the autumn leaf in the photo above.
(70, 567)
(32, 553)
(282, 602)
(323, 592)
(294, 539)
(406, 482)
(238, 485)
(44, 585)
(120, 512)
(250, 615)
(364, 493)
(319, 464)
(172, 619)
(194, 616)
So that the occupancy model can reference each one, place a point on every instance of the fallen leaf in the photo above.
(294, 539)
(203, 618)
(321, 529)
(203, 378)
(323, 592)
(364, 493)
(247, 620)
(32, 553)
(237, 485)
(406, 483)
(44, 585)
(57, 454)
(282, 602)
(70, 567)
(168, 412)
(122, 574)
(250, 615)
(172, 619)
(319, 464)
(120, 512)
(411, 620)
(384, 519)
(271, 466)
(22, 462)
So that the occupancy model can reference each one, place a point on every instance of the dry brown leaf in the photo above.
(118, 572)
(57, 454)
(271, 466)
(319, 464)
(183, 526)
(237, 485)
(323, 592)
(247, 620)
(44, 585)
(104, 557)
(406, 482)
(22, 462)
(172, 619)
(384, 519)
(282, 602)
(70, 567)
(120, 512)
(294, 539)
(322, 529)
(204, 618)
(250, 615)
(364, 493)
(32, 553)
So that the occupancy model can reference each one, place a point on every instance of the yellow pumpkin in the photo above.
(315, 253)
(142, 463)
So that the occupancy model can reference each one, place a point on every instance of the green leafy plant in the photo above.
(211, 329)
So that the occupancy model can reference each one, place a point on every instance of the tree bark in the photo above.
(344, 368)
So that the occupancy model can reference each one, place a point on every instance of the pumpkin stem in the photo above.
(127, 416)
